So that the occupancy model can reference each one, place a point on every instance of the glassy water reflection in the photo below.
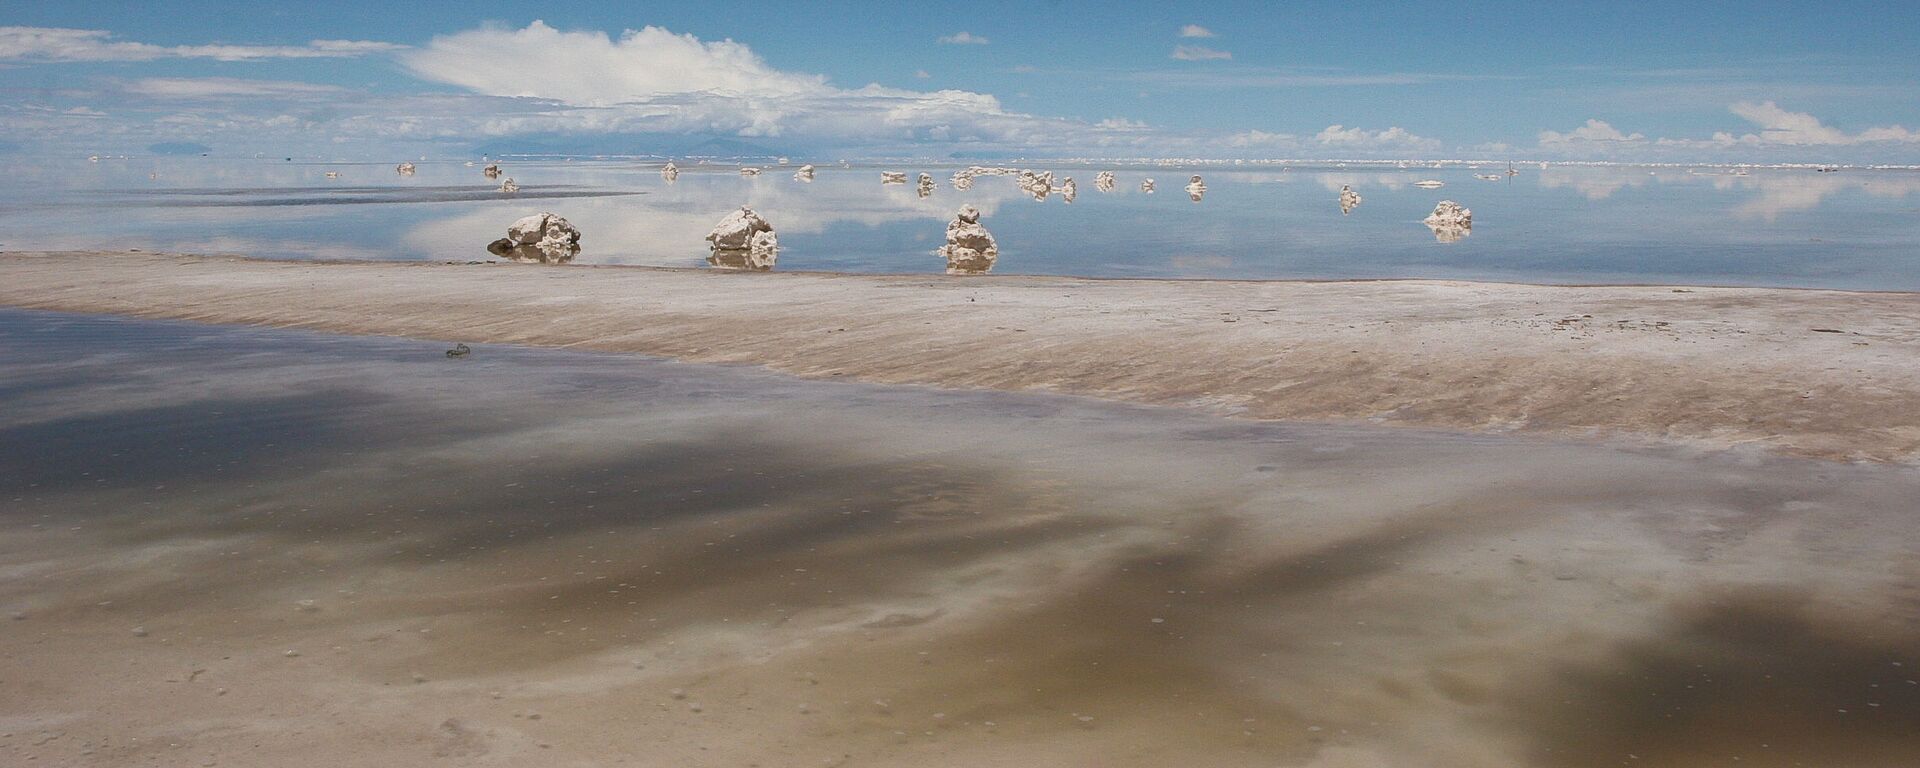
(1788, 227)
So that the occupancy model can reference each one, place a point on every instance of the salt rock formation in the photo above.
(492, 171)
(1068, 190)
(1147, 186)
(1450, 221)
(1430, 184)
(743, 240)
(1037, 184)
(332, 174)
(963, 178)
(970, 249)
(893, 177)
(543, 237)
(669, 171)
(404, 169)
(925, 187)
(1196, 189)
(1103, 181)
(508, 186)
(804, 174)
(749, 171)
(1349, 199)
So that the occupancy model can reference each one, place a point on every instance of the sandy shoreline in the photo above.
(1829, 374)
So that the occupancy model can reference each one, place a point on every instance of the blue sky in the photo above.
(1756, 81)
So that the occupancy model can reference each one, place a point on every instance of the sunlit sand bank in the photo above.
(1817, 373)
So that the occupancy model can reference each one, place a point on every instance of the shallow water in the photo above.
(269, 547)
(1778, 227)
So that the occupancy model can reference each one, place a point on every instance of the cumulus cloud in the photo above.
(51, 44)
(963, 38)
(1198, 53)
(1195, 30)
(1595, 131)
(1396, 137)
(1120, 124)
(1779, 126)
(653, 80)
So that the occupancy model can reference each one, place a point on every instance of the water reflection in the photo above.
(1773, 226)
(1349, 200)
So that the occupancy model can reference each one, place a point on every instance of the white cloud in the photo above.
(1120, 124)
(1257, 138)
(1360, 138)
(1198, 53)
(963, 38)
(1195, 30)
(223, 87)
(1594, 131)
(1779, 126)
(652, 80)
(57, 44)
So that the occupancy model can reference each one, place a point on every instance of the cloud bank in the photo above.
(51, 44)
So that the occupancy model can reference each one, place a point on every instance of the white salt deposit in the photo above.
(893, 177)
(1349, 199)
(404, 169)
(970, 248)
(670, 171)
(1103, 181)
(508, 186)
(543, 237)
(743, 240)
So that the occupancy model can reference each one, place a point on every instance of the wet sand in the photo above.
(1815, 373)
(237, 546)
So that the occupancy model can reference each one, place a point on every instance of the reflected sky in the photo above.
(1778, 227)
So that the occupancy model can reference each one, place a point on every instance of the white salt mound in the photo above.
(970, 249)
(508, 186)
(543, 237)
(893, 177)
(804, 174)
(1103, 181)
(404, 169)
(1349, 199)
(1450, 221)
(743, 240)
(492, 171)
(1147, 186)
(670, 171)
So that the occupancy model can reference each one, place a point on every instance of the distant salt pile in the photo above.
(1488, 176)
(1147, 186)
(1430, 184)
(508, 186)
(404, 169)
(492, 171)
(1103, 181)
(749, 171)
(1037, 184)
(925, 187)
(893, 177)
(963, 178)
(743, 240)
(804, 174)
(333, 174)
(1196, 188)
(1349, 199)
(1450, 221)
(1068, 190)
(669, 171)
(543, 237)
(970, 249)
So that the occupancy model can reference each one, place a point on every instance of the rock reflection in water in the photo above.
(1450, 221)
(1349, 199)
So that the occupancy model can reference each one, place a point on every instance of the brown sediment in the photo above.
(1717, 366)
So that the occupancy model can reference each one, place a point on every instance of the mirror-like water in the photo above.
(245, 547)
(1781, 227)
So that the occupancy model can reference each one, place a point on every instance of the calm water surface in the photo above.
(1855, 229)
